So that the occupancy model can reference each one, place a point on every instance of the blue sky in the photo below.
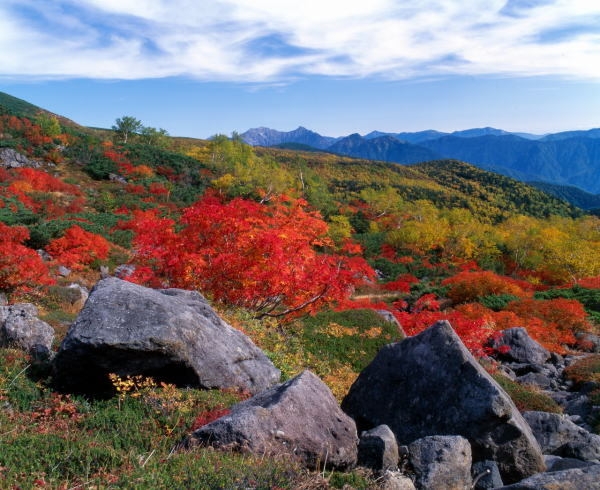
(196, 68)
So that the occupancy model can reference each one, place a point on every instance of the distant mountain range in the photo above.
(570, 158)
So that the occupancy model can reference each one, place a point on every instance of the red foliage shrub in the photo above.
(267, 258)
(208, 416)
(78, 248)
(21, 269)
(402, 283)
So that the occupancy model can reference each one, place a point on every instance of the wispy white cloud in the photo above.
(276, 40)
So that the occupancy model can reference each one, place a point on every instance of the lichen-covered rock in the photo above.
(430, 384)
(300, 417)
(441, 463)
(20, 327)
(169, 334)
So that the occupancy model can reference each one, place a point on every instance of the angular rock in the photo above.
(441, 463)
(378, 449)
(575, 479)
(300, 417)
(170, 334)
(430, 384)
(557, 435)
(20, 327)
(486, 475)
(522, 348)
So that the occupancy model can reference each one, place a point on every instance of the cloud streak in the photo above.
(276, 41)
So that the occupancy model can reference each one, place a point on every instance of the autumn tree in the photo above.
(125, 126)
(266, 257)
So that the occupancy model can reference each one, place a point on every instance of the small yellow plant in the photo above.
(132, 385)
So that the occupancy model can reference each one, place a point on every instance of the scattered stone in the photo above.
(522, 348)
(441, 463)
(557, 435)
(588, 342)
(299, 417)
(3, 299)
(378, 449)
(394, 480)
(537, 379)
(45, 256)
(104, 271)
(123, 271)
(20, 327)
(389, 317)
(486, 475)
(63, 271)
(430, 384)
(575, 479)
(80, 294)
(169, 334)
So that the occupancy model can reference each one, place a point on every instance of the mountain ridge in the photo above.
(569, 158)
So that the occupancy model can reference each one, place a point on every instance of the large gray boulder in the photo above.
(521, 347)
(169, 334)
(430, 384)
(574, 479)
(20, 327)
(559, 436)
(300, 417)
(441, 463)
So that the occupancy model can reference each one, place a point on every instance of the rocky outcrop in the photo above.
(429, 385)
(574, 479)
(20, 327)
(10, 158)
(299, 417)
(441, 463)
(559, 436)
(170, 334)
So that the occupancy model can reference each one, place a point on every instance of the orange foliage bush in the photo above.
(468, 286)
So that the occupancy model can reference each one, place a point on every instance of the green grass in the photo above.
(61, 441)
(351, 337)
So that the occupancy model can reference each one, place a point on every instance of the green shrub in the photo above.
(497, 302)
(527, 397)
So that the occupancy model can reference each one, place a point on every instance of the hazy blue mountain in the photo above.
(476, 132)
(590, 133)
(271, 137)
(574, 161)
(384, 148)
(416, 137)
